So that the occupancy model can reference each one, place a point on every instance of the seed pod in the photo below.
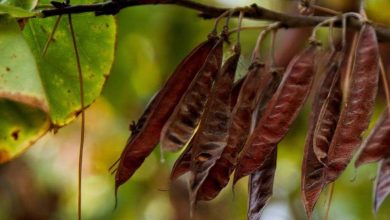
(324, 115)
(236, 91)
(279, 114)
(261, 186)
(329, 113)
(212, 134)
(356, 114)
(182, 164)
(180, 126)
(377, 144)
(255, 87)
(382, 188)
(147, 131)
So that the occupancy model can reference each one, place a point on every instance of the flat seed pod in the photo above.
(211, 137)
(182, 164)
(279, 113)
(146, 133)
(356, 114)
(236, 91)
(377, 144)
(181, 125)
(329, 113)
(324, 112)
(255, 86)
(261, 186)
(382, 188)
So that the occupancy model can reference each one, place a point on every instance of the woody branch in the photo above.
(206, 11)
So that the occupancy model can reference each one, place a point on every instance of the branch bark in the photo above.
(206, 11)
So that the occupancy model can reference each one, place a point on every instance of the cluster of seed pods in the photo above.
(230, 126)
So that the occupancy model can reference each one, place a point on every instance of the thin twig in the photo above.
(51, 36)
(82, 132)
(206, 11)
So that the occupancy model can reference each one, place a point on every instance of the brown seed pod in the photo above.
(146, 133)
(279, 113)
(261, 186)
(211, 137)
(329, 113)
(324, 115)
(236, 91)
(382, 188)
(182, 164)
(377, 145)
(255, 87)
(356, 114)
(182, 123)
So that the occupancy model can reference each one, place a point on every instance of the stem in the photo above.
(82, 132)
(206, 11)
(51, 36)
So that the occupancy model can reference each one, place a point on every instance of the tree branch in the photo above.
(253, 12)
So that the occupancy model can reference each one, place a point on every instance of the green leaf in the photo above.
(23, 105)
(21, 125)
(24, 4)
(95, 37)
(15, 12)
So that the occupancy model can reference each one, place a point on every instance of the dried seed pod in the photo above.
(261, 186)
(329, 113)
(211, 137)
(146, 133)
(182, 164)
(181, 125)
(236, 91)
(279, 114)
(324, 116)
(256, 86)
(377, 145)
(356, 114)
(382, 188)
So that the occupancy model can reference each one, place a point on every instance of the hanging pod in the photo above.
(181, 125)
(323, 120)
(261, 187)
(377, 145)
(258, 83)
(359, 104)
(279, 113)
(211, 136)
(182, 164)
(382, 185)
(146, 133)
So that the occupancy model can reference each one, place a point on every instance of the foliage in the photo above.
(48, 98)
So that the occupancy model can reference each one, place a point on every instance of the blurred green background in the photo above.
(41, 184)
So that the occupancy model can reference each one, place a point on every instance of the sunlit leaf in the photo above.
(96, 41)
(22, 123)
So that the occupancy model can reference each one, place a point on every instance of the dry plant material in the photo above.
(148, 129)
(323, 120)
(357, 111)
(329, 111)
(377, 145)
(181, 125)
(279, 113)
(182, 164)
(382, 188)
(257, 85)
(261, 187)
(236, 91)
(211, 137)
